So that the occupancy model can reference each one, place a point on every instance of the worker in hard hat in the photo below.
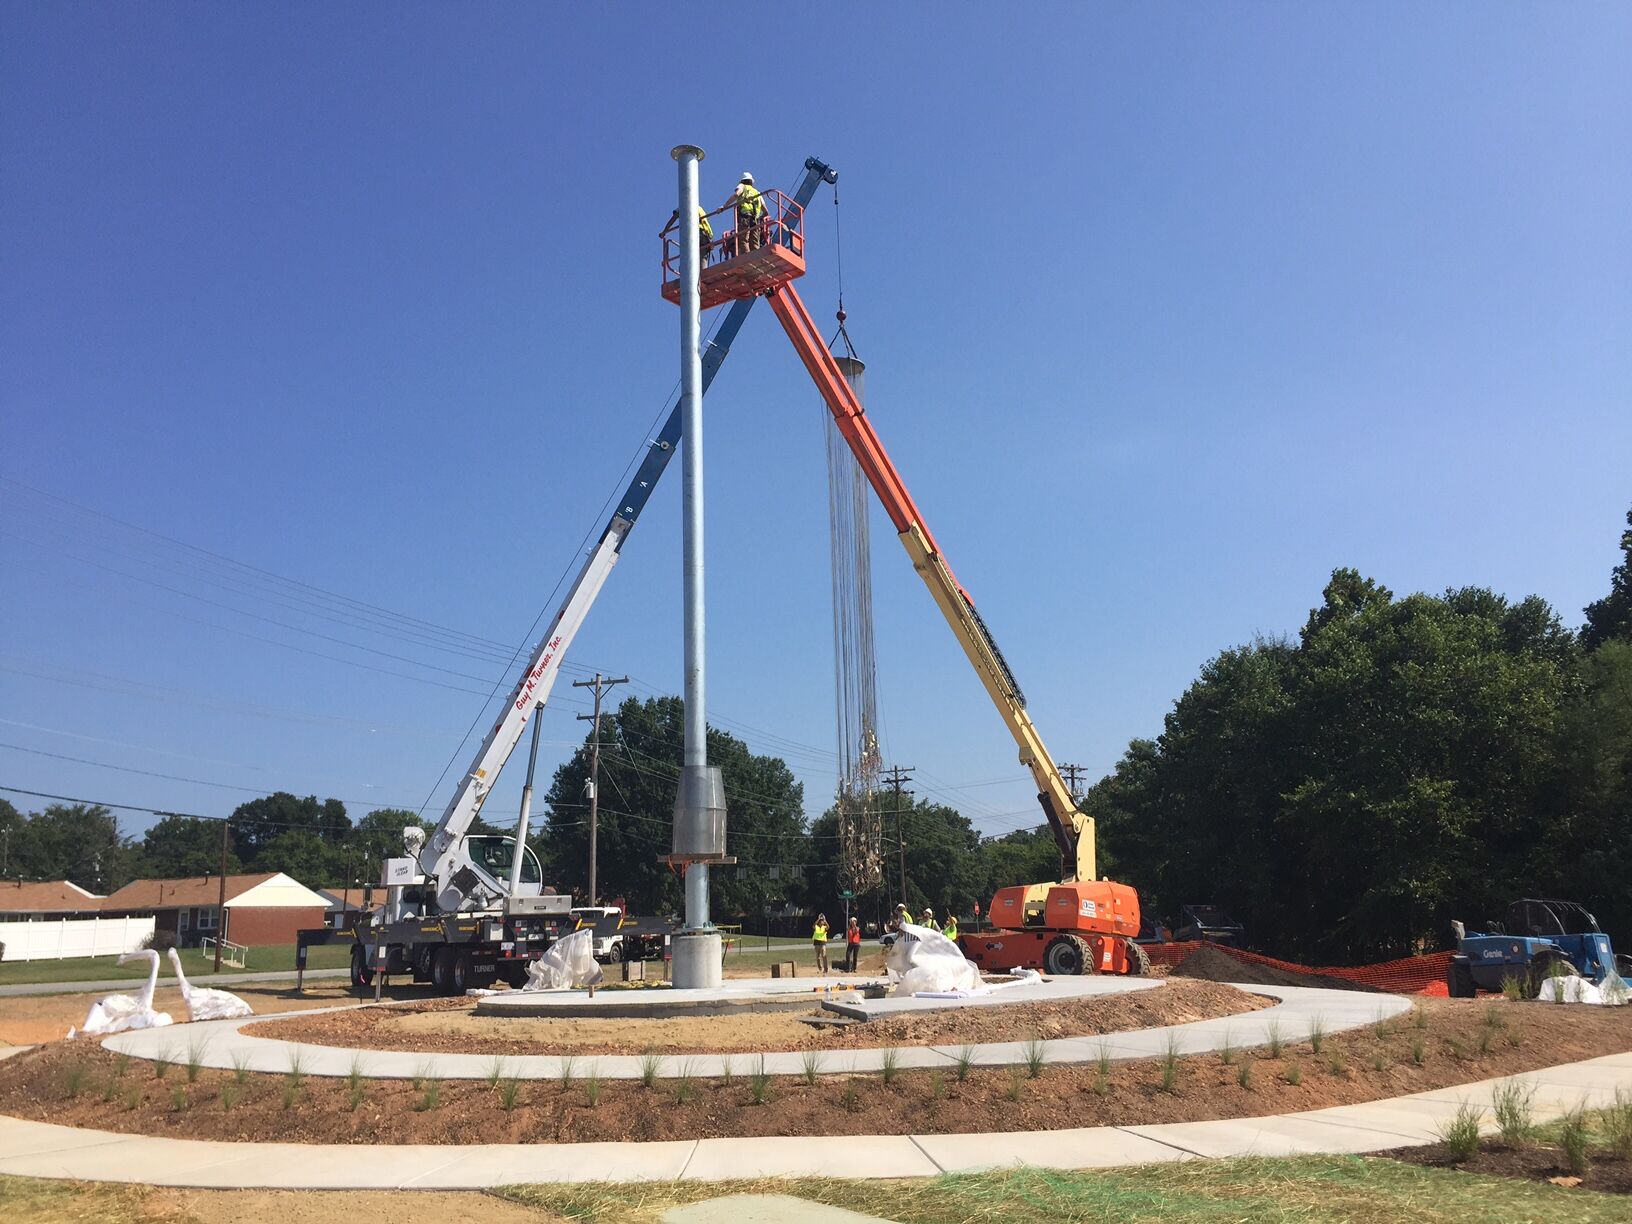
(750, 206)
(818, 937)
(951, 928)
(928, 919)
(900, 917)
(705, 234)
(852, 946)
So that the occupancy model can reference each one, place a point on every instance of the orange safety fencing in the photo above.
(1407, 975)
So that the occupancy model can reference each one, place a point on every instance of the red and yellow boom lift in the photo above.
(1079, 924)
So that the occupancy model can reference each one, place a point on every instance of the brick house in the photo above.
(265, 908)
(36, 901)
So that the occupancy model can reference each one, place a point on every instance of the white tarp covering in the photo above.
(203, 1003)
(927, 962)
(568, 965)
(1611, 993)
(117, 1013)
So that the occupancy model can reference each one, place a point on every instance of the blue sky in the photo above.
(1168, 310)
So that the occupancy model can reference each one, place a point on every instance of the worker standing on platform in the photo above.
(852, 946)
(750, 206)
(818, 937)
(705, 234)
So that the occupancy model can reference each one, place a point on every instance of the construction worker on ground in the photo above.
(750, 206)
(901, 916)
(951, 928)
(705, 234)
(928, 919)
(852, 946)
(818, 937)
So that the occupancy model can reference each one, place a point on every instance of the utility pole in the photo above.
(600, 684)
(221, 898)
(896, 775)
(1073, 775)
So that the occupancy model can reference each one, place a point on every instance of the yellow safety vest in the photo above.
(951, 931)
(751, 203)
(819, 934)
(704, 227)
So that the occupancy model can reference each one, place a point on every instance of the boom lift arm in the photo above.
(461, 881)
(1073, 829)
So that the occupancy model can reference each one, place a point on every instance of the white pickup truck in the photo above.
(605, 919)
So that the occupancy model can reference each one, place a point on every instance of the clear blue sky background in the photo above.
(1169, 310)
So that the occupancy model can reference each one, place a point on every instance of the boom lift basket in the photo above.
(745, 261)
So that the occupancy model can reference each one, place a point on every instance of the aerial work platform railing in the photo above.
(742, 263)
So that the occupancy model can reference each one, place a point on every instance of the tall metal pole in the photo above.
(525, 820)
(600, 685)
(699, 812)
(221, 898)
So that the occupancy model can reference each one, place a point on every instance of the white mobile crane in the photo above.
(469, 909)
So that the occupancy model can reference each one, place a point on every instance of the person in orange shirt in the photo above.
(852, 946)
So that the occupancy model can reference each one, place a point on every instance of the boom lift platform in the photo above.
(1080, 924)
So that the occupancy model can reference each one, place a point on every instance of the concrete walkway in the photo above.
(39, 1149)
(225, 980)
(232, 1043)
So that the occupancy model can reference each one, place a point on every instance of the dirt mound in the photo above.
(1216, 965)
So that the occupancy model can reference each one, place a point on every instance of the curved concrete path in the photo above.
(232, 1043)
(39, 1149)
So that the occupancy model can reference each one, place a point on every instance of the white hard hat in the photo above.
(747, 177)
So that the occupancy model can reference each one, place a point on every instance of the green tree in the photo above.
(305, 855)
(1610, 618)
(1026, 856)
(177, 846)
(76, 842)
(257, 823)
(642, 746)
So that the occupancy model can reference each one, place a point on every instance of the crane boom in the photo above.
(1073, 829)
(461, 881)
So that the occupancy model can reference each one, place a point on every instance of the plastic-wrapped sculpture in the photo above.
(569, 964)
(927, 962)
(204, 1003)
(116, 1013)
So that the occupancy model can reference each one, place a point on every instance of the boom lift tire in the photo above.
(1138, 959)
(362, 976)
(1459, 980)
(1068, 956)
(1623, 966)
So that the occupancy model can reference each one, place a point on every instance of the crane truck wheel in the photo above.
(442, 970)
(459, 970)
(1066, 955)
(361, 975)
(1138, 959)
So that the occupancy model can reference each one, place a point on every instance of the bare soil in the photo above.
(1458, 1041)
(449, 1025)
(1209, 964)
(1606, 1172)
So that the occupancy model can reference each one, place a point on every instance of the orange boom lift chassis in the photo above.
(1078, 924)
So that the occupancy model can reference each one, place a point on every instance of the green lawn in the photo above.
(102, 968)
(1356, 1190)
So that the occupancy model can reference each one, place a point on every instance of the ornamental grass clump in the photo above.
(1511, 1103)
(811, 1062)
(759, 1082)
(1460, 1135)
(195, 1059)
(963, 1062)
(1035, 1055)
(1573, 1141)
(1168, 1064)
(73, 1078)
(890, 1064)
(648, 1070)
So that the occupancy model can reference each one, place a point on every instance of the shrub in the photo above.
(1511, 1103)
(121, 1064)
(592, 1089)
(297, 1068)
(240, 1068)
(812, 1061)
(1381, 1025)
(1493, 1017)
(1617, 1123)
(1017, 1084)
(495, 1071)
(178, 1098)
(422, 1073)
(683, 1089)
(727, 1071)
(133, 1096)
(963, 1062)
(110, 1089)
(1034, 1053)
(1317, 1033)
(759, 1082)
(937, 1086)
(1419, 1016)
(1460, 1134)
(354, 1073)
(229, 1097)
(890, 1064)
(1243, 1074)
(648, 1070)
(163, 1061)
(195, 1060)
(1457, 1049)
(1335, 1063)
(1514, 988)
(73, 1078)
(1272, 1038)
(1379, 1061)
(849, 1098)
(1168, 1064)
(291, 1090)
(1226, 1052)
(430, 1096)
(566, 1067)
(1102, 1060)
(354, 1096)
(1572, 1141)
(1486, 1036)
(1293, 1075)
(1419, 1051)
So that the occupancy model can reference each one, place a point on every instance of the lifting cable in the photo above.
(838, 260)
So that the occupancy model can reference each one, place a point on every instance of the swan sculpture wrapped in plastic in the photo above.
(203, 1003)
(927, 962)
(116, 1013)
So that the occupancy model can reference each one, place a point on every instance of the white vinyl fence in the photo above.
(61, 938)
